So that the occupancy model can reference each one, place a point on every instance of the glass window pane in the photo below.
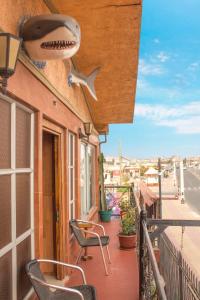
(71, 149)
(72, 210)
(71, 184)
(90, 178)
(3, 47)
(23, 256)
(5, 210)
(22, 203)
(23, 125)
(6, 276)
(83, 180)
(5, 134)
(71, 173)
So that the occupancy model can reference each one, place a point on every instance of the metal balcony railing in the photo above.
(174, 279)
(151, 281)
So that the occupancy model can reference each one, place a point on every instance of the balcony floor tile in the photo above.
(122, 282)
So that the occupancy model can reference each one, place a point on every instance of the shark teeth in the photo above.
(58, 45)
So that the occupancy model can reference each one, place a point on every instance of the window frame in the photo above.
(72, 200)
(13, 171)
(88, 193)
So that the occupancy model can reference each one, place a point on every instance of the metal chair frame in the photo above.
(99, 239)
(71, 290)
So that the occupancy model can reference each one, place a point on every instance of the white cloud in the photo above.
(184, 119)
(146, 68)
(172, 94)
(156, 41)
(180, 79)
(194, 66)
(152, 91)
(162, 57)
(183, 126)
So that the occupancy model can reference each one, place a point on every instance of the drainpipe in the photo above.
(102, 194)
(103, 142)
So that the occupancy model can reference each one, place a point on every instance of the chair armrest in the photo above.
(94, 224)
(96, 234)
(90, 232)
(65, 265)
(79, 294)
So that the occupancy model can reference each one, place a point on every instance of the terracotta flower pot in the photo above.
(127, 242)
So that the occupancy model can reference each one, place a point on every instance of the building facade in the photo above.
(48, 173)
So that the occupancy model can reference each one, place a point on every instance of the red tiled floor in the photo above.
(122, 282)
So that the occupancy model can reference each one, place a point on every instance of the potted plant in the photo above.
(124, 205)
(127, 235)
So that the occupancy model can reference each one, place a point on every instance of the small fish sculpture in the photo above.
(88, 81)
(49, 37)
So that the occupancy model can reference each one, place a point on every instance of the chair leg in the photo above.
(108, 254)
(79, 255)
(101, 248)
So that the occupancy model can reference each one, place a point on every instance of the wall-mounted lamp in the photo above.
(88, 130)
(81, 135)
(9, 51)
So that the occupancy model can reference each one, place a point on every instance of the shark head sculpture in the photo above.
(49, 37)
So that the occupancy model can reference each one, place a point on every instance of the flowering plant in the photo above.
(128, 217)
(124, 204)
(110, 201)
(128, 222)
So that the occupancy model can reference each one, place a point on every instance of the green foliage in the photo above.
(122, 190)
(124, 203)
(128, 222)
(103, 205)
(128, 216)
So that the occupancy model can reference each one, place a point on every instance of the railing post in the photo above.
(160, 189)
(180, 275)
(141, 254)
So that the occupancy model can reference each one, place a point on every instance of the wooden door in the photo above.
(49, 200)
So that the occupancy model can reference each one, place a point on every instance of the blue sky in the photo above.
(167, 109)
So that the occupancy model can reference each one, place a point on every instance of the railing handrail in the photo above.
(156, 272)
(174, 222)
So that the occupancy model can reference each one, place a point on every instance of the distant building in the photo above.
(151, 177)
(120, 171)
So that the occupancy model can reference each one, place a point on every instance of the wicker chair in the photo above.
(47, 291)
(92, 241)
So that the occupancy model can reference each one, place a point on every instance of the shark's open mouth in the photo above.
(58, 45)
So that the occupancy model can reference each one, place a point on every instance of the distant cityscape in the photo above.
(122, 170)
